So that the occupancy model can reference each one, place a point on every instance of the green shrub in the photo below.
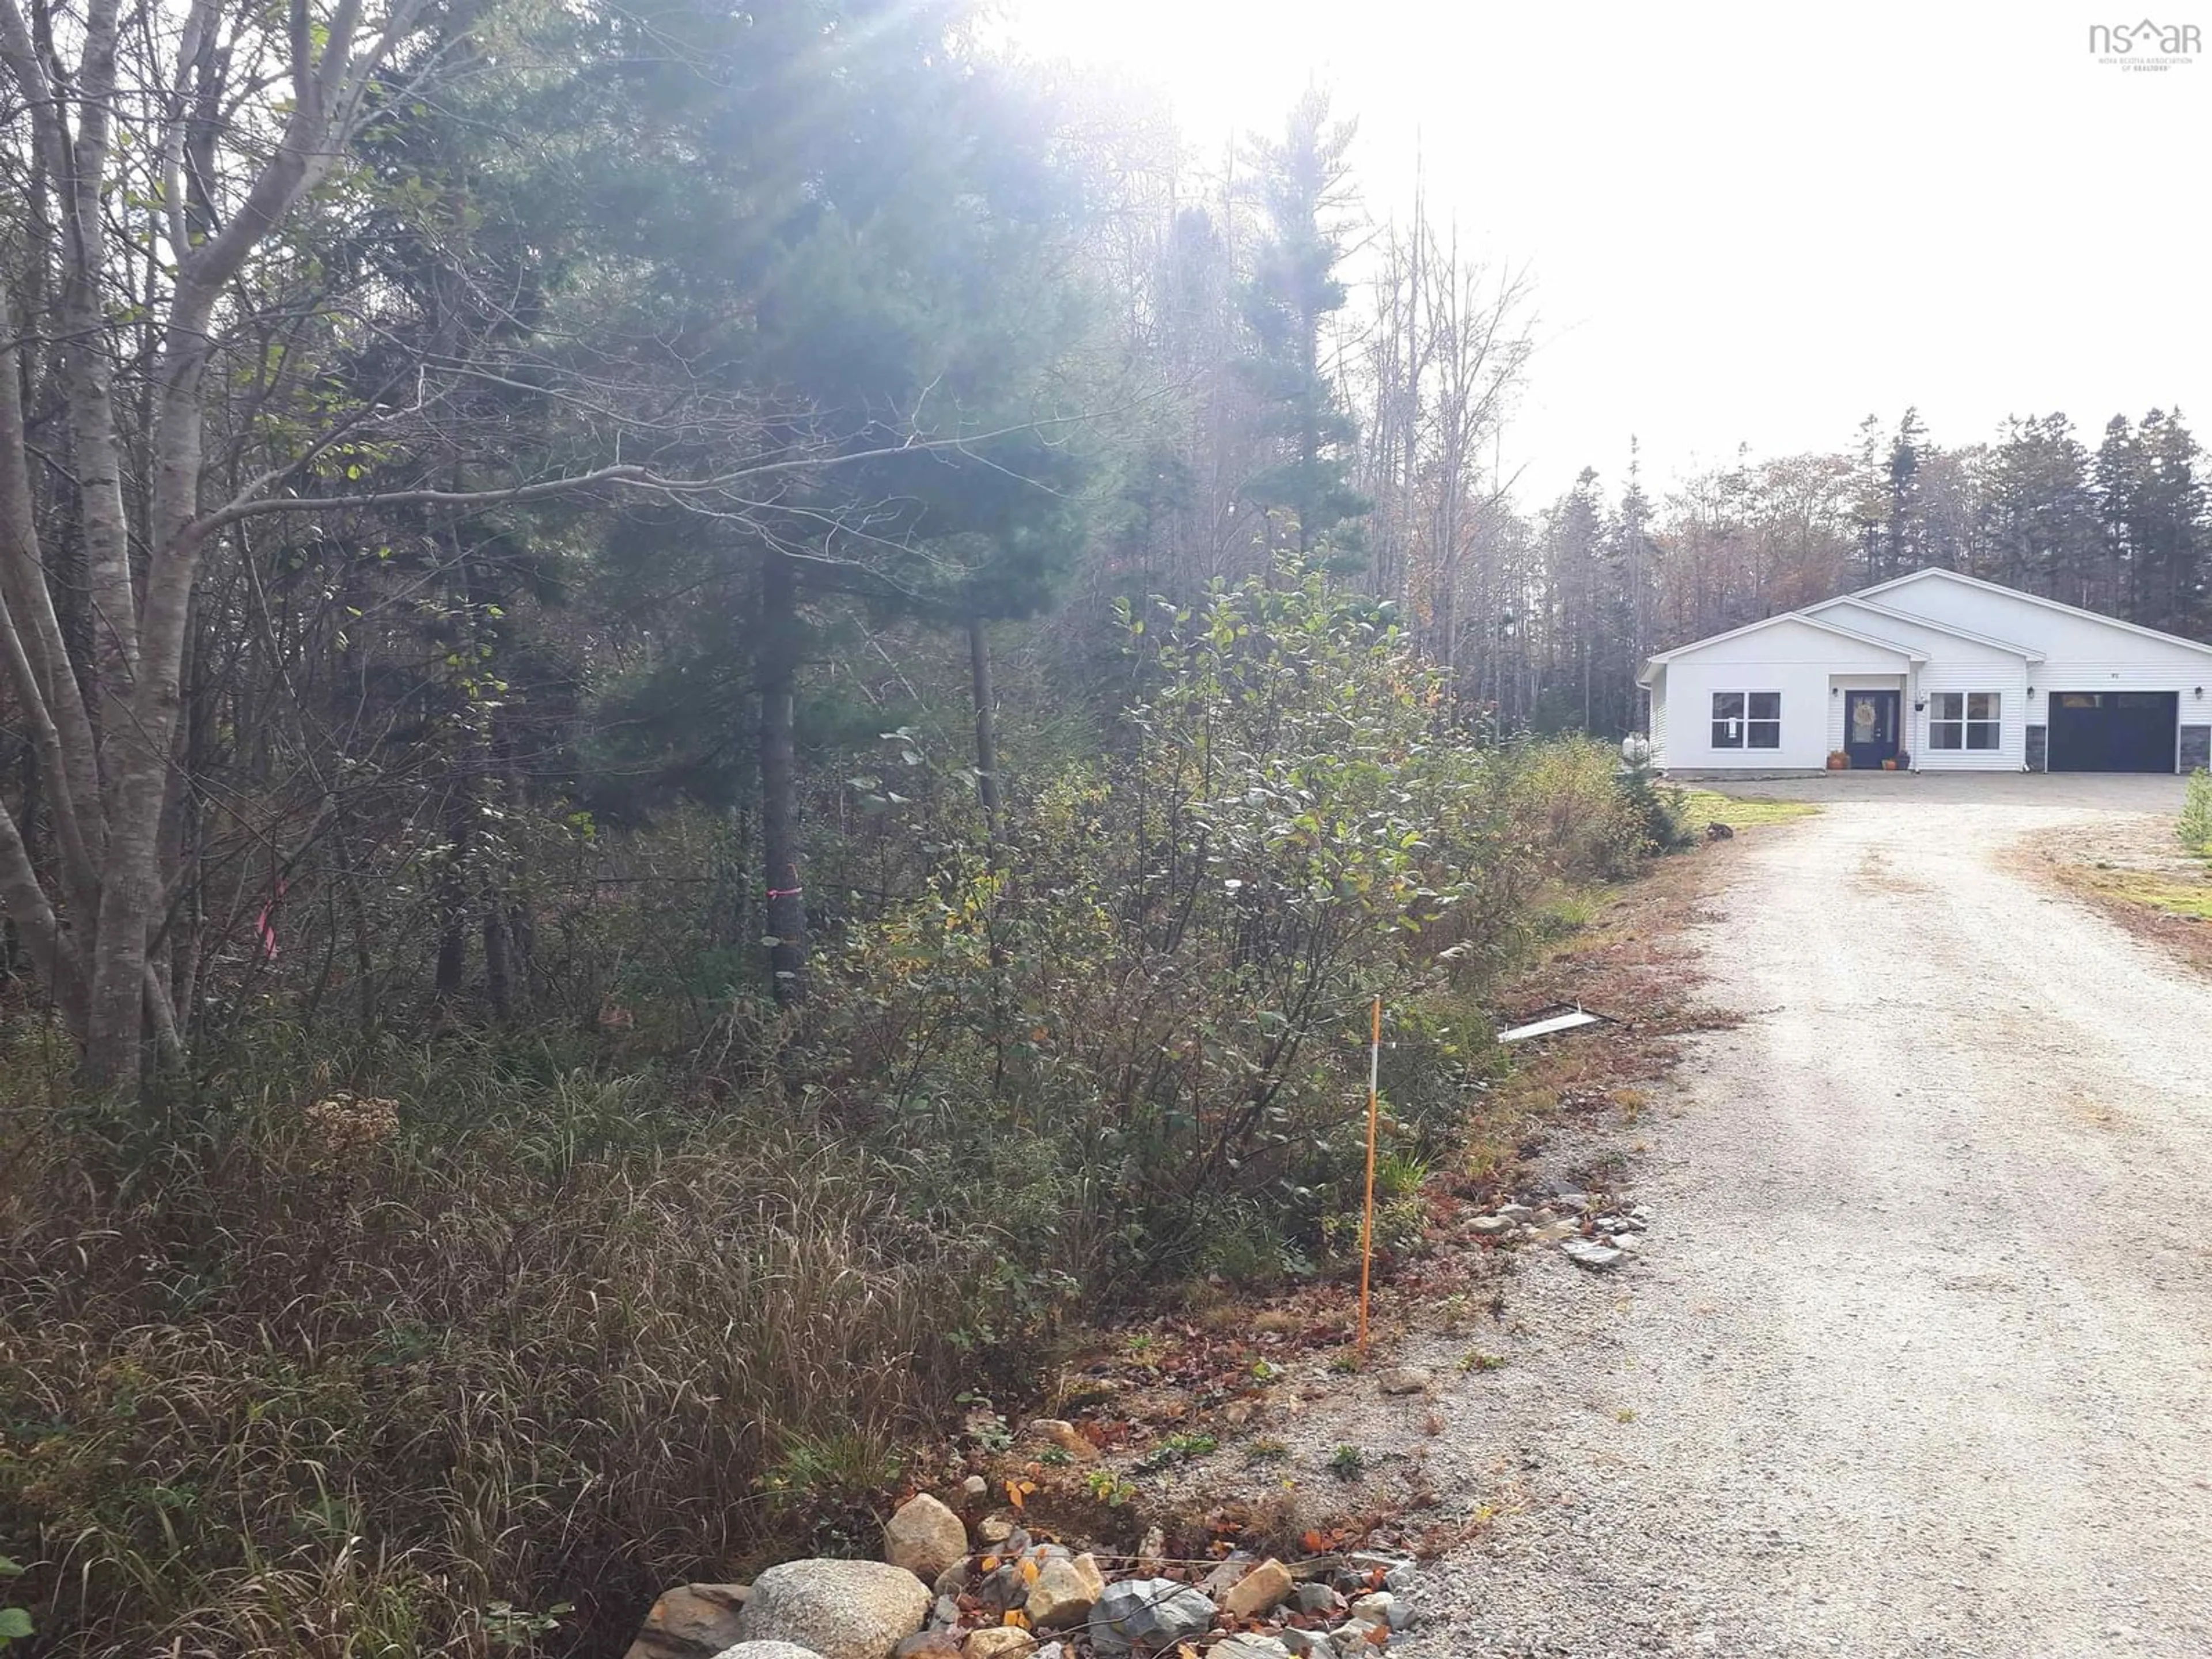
(2196, 825)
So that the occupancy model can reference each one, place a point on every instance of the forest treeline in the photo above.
(708, 713)
(429, 455)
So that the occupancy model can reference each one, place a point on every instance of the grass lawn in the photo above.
(1702, 807)
(2174, 895)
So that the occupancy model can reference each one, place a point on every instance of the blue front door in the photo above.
(1871, 727)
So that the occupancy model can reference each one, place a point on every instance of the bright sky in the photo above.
(1754, 223)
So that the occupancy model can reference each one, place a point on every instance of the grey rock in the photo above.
(1569, 1200)
(945, 1612)
(1351, 1636)
(1316, 1598)
(1489, 1227)
(954, 1578)
(1406, 1379)
(1245, 1646)
(1515, 1213)
(1307, 1645)
(1400, 1577)
(1628, 1243)
(767, 1650)
(839, 1609)
(1588, 1253)
(1003, 1587)
(1233, 1566)
(976, 1486)
(1150, 1613)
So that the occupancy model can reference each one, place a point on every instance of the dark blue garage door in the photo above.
(2113, 731)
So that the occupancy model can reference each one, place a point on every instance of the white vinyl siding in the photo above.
(1788, 658)
(2007, 682)
(1659, 718)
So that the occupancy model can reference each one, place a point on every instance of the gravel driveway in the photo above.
(1918, 1360)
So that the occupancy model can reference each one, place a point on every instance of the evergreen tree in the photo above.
(2118, 486)
(2038, 514)
(2170, 525)
(1305, 197)
(1903, 542)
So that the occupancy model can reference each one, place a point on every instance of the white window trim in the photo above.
(1743, 723)
(1966, 745)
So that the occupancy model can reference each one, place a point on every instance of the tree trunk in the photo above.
(778, 667)
(987, 731)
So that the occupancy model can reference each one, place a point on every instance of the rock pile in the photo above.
(1592, 1231)
(1016, 1597)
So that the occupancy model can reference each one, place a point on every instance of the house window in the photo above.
(1747, 720)
(1963, 720)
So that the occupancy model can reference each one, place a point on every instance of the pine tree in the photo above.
(1305, 197)
(1903, 543)
(2170, 525)
(2117, 480)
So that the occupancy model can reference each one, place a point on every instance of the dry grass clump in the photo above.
(264, 1400)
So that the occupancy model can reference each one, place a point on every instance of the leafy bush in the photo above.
(1140, 1020)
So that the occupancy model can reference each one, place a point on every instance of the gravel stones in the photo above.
(1150, 1613)
(924, 1537)
(839, 1609)
(766, 1650)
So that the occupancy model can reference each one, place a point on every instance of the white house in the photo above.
(1933, 672)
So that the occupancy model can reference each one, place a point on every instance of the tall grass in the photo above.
(302, 1390)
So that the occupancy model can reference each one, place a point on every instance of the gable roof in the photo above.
(1933, 572)
(1929, 624)
(1659, 659)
